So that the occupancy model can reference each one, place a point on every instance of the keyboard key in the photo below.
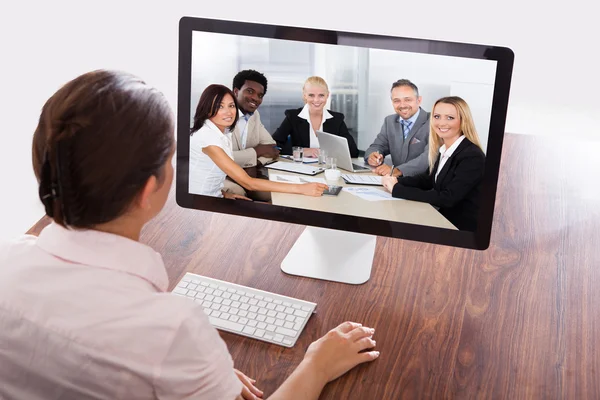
(240, 292)
(289, 310)
(244, 306)
(226, 295)
(243, 313)
(192, 286)
(212, 285)
(261, 325)
(300, 313)
(180, 290)
(286, 332)
(253, 302)
(280, 308)
(218, 300)
(259, 297)
(210, 297)
(281, 315)
(278, 338)
(270, 320)
(209, 291)
(258, 317)
(287, 304)
(271, 313)
(207, 311)
(233, 311)
(215, 314)
(288, 325)
(307, 309)
(218, 293)
(296, 306)
(268, 336)
(259, 333)
(234, 318)
(204, 283)
(270, 306)
(253, 309)
(290, 318)
(287, 341)
(200, 295)
(277, 302)
(182, 284)
(252, 315)
(243, 321)
(244, 299)
(186, 279)
(215, 306)
(225, 316)
(262, 311)
(219, 323)
(236, 304)
(271, 328)
(235, 297)
(226, 302)
(278, 322)
(249, 330)
(224, 309)
(231, 290)
(252, 323)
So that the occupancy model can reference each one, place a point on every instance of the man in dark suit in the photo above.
(404, 135)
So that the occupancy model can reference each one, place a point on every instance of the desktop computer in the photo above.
(339, 241)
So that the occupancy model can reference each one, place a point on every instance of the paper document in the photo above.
(362, 179)
(294, 178)
(370, 194)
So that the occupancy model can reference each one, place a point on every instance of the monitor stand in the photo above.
(331, 255)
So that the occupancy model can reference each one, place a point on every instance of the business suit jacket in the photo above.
(457, 189)
(410, 155)
(299, 130)
(257, 134)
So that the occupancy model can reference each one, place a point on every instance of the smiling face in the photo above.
(249, 96)
(446, 122)
(225, 113)
(406, 103)
(315, 96)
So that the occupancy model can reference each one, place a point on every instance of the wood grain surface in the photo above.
(520, 320)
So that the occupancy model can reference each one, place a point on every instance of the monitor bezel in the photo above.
(479, 240)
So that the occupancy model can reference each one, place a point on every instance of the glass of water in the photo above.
(330, 163)
(322, 157)
(297, 153)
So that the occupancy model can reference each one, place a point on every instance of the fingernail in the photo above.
(372, 330)
(376, 354)
(374, 343)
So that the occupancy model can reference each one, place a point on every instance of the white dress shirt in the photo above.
(206, 178)
(446, 154)
(84, 315)
(243, 126)
(314, 140)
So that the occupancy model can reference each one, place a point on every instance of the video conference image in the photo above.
(389, 135)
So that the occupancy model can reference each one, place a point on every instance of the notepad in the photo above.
(362, 179)
(296, 167)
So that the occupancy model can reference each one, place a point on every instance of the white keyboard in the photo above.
(246, 311)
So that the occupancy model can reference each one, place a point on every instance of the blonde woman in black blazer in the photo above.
(456, 165)
(302, 124)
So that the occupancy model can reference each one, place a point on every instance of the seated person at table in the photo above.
(404, 135)
(252, 143)
(456, 163)
(211, 154)
(302, 124)
(84, 308)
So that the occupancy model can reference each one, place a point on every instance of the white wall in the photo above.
(45, 43)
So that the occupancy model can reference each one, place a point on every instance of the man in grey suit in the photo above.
(404, 135)
(252, 143)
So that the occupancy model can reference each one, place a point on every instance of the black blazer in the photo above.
(457, 189)
(298, 128)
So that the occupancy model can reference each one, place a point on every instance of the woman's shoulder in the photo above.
(292, 112)
(470, 149)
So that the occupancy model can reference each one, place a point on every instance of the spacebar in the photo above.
(220, 323)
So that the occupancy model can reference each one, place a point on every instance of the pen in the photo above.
(277, 147)
(392, 170)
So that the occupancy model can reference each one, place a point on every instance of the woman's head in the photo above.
(450, 118)
(102, 141)
(217, 104)
(315, 93)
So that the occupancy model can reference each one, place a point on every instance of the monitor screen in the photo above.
(359, 70)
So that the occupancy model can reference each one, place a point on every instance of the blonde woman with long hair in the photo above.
(456, 165)
(302, 124)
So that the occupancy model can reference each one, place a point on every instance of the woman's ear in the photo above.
(144, 199)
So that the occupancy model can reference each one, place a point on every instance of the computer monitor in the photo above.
(360, 68)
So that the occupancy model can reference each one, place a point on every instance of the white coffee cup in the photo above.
(332, 175)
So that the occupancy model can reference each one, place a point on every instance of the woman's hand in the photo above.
(313, 189)
(249, 392)
(389, 182)
(310, 152)
(234, 196)
(341, 349)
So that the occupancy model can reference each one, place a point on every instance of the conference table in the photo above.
(519, 320)
(398, 210)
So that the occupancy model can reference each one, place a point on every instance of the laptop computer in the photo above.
(337, 146)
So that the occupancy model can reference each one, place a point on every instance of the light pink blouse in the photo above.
(84, 314)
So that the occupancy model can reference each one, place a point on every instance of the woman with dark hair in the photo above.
(83, 307)
(211, 152)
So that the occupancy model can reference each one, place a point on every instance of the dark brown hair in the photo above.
(99, 139)
(209, 103)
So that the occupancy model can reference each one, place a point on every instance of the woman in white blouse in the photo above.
(84, 307)
(211, 154)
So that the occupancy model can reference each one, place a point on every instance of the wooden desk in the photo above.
(518, 321)
(411, 212)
